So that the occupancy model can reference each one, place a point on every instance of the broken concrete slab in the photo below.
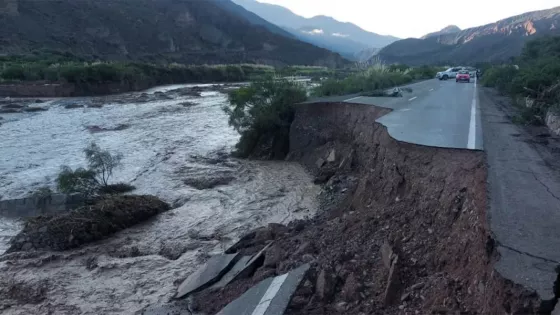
(269, 297)
(260, 236)
(252, 264)
(233, 272)
(332, 156)
(214, 269)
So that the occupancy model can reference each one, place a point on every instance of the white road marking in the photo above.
(471, 142)
(269, 295)
(431, 90)
(350, 99)
(412, 99)
(404, 110)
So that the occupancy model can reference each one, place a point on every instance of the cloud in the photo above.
(340, 35)
(316, 31)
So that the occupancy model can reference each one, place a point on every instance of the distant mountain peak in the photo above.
(451, 29)
(446, 30)
(324, 31)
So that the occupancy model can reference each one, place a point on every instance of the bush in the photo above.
(424, 72)
(499, 77)
(262, 113)
(536, 75)
(362, 82)
(101, 164)
(77, 181)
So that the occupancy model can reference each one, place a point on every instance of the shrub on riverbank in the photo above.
(262, 114)
(90, 223)
(95, 179)
(534, 74)
(372, 79)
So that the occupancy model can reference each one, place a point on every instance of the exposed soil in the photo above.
(86, 224)
(426, 207)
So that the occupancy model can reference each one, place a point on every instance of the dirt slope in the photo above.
(427, 204)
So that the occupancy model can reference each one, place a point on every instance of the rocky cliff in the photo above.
(491, 42)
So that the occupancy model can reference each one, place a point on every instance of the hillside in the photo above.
(187, 31)
(492, 42)
(446, 30)
(345, 38)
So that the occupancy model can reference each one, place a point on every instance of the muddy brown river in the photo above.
(175, 146)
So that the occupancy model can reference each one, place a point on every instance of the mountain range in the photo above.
(187, 31)
(347, 39)
(222, 31)
(488, 43)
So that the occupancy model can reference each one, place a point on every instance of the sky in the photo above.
(414, 18)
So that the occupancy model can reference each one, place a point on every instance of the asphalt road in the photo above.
(524, 200)
(434, 113)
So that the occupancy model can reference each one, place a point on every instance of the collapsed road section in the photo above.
(402, 230)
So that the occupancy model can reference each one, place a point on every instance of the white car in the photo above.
(450, 73)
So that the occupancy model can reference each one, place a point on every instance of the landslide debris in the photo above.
(406, 232)
(89, 223)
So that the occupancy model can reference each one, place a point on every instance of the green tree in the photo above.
(101, 162)
(94, 179)
(262, 113)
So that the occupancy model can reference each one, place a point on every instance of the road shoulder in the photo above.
(524, 197)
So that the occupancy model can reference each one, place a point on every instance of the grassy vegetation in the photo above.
(424, 72)
(373, 79)
(83, 72)
(262, 113)
(534, 74)
(70, 69)
(365, 81)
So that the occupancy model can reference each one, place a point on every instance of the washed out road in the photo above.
(434, 113)
(523, 187)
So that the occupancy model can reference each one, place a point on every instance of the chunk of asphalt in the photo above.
(269, 297)
(214, 269)
(254, 263)
(233, 272)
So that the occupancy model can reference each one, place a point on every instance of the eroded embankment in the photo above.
(427, 204)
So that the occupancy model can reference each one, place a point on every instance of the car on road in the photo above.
(472, 71)
(463, 76)
(449, 73)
